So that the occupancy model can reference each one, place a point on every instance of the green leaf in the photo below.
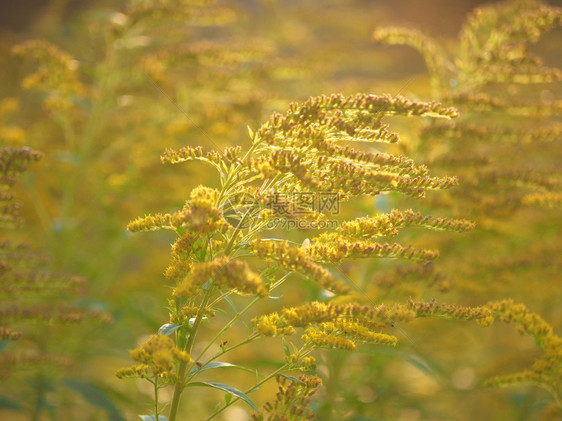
(229, 301)
(218, 364)
(227, 398)
(251, 132)
(94, 396)
(218, 310)
(293, 379)
(168, 329)
(217, 407)
(228, 389)
(286, 348)
(422, 364)
(153, 418)
(9, 403)
(258, 387)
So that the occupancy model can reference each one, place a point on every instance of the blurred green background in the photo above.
(151, 79)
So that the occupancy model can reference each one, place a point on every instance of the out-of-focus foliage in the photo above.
(105, 87)
(505, 148)
(36, 305)
(102, 102)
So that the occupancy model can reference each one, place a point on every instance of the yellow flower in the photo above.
(157, 357)
(297, 259)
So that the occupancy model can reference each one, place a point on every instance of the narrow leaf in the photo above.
(218, 364)
(293, 379)
(258, 387)
(168, 329)
(286, 348)
(229, 301)
(228, 389)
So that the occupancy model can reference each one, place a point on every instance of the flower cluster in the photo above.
(187, 312)
(293, 154)
(51, 313)
(511, 135)
(29, 293)
(224, 56)
(157, 358)
(223, 272)
(434, 56)
(494, 50)
(194, 12)
(329, 325)
(501, 34)
(450, 311)
(384, 225)
(301, 363)
(401, 279)
(334, 248)
(12, 363)
(302, 143)
(7, 334)
(57, 74)
(344, 334)
(545, 371)
(199, 215)
(298, 260)
(291, 400)
(272, 325)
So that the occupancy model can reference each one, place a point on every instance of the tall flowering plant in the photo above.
(223, 248)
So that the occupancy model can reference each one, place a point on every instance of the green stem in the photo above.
(232, 174)
(305, 350)
(238, 345)
(156, 398)
(178, 389)
(230, 244)
(240, 314)
(222, 352)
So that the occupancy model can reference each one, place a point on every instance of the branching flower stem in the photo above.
(178, 389)
(235, 318)
(302, 352)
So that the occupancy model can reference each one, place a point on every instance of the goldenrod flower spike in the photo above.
(384, 225)
(435, 57)
(156, 358)
(297, 259)
(292, 154)
(199, 215)
(334, 248)
(57, 74)
(232, 274)
(291, 400)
